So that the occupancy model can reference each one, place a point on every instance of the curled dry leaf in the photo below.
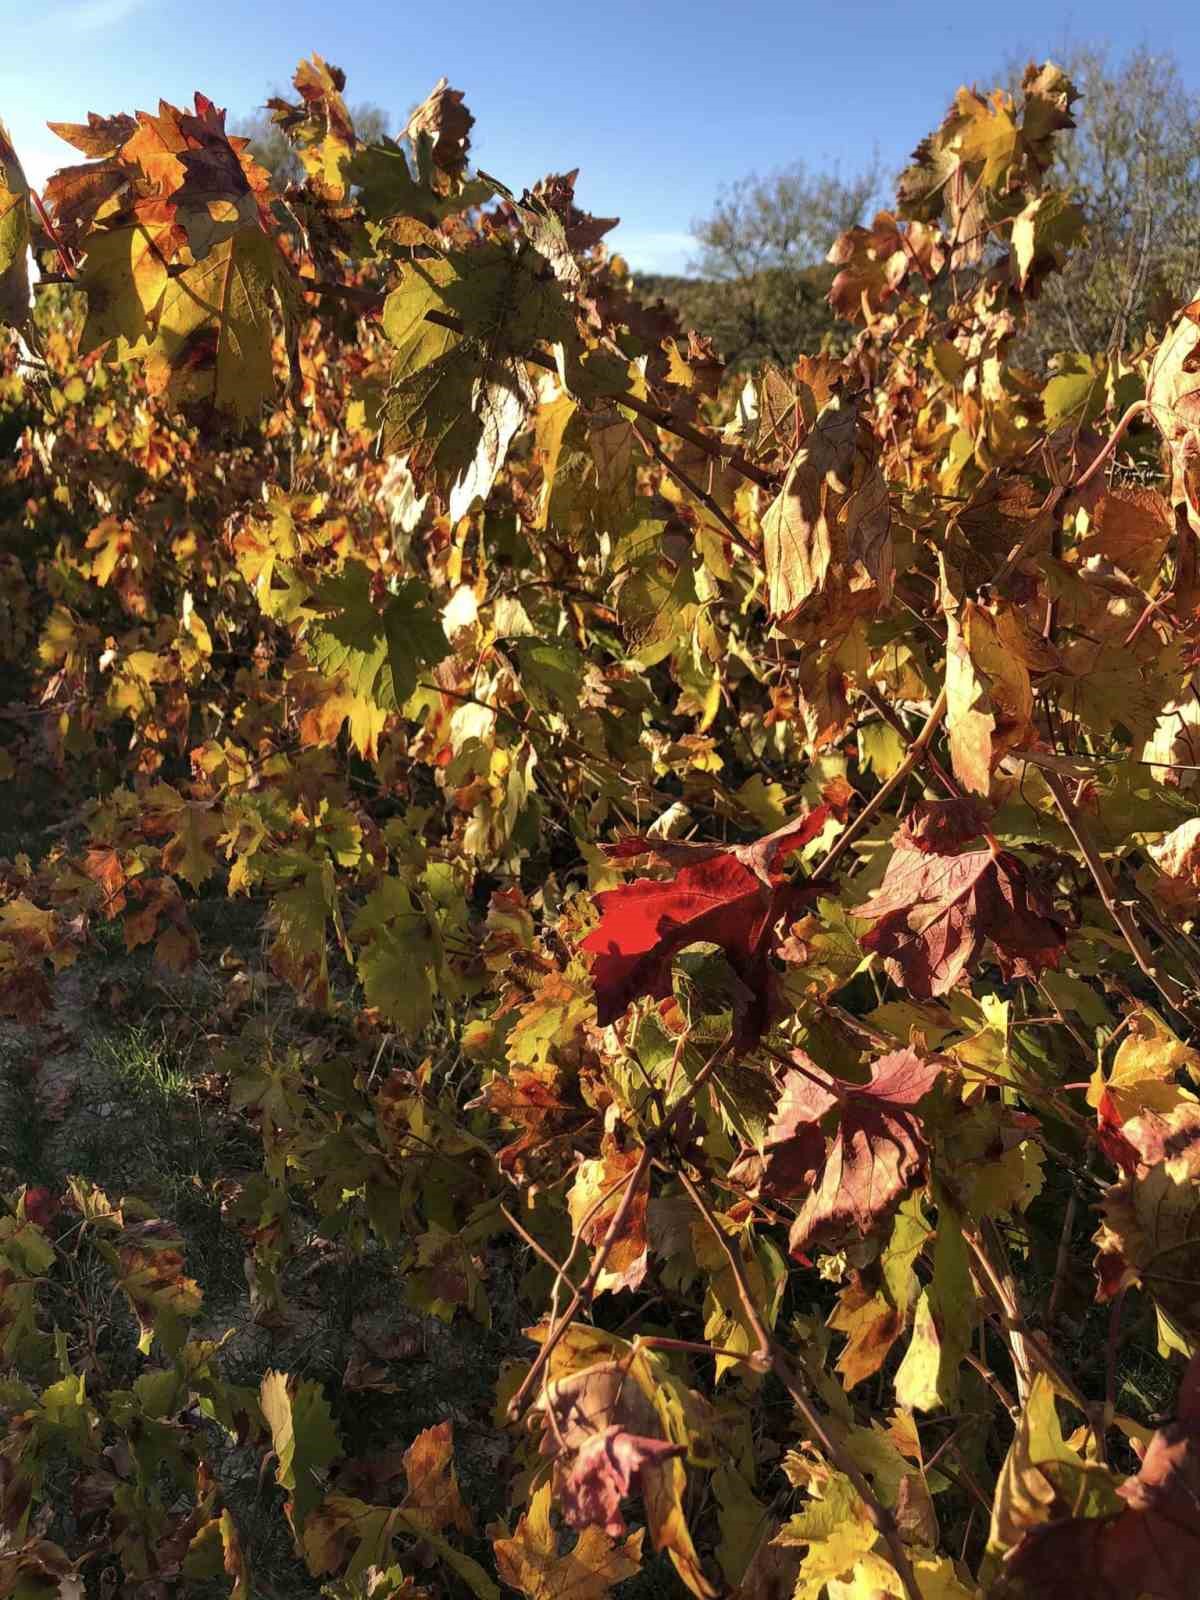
(445, 121)
(828, 533)
(989, 692)
(605, 1434)
(607, 1467)
(874, 263)
(1178, 858)
(734, 898)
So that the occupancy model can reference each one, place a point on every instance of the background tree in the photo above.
(273, 150)
(760, 282)
(1133, 166)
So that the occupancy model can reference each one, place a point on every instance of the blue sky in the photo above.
(658, 102)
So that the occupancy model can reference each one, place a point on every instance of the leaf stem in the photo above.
(582, 1296)
(771, 1355)
(1119, 912)
(917, 752)
(697, 493)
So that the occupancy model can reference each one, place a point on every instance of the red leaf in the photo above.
(729, 897)
(1151, 1548)
(41, 1205)
(934, 911)
(877, 1154)
(1109, 1136)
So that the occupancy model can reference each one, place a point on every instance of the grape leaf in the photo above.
(530, 1561)
(877, 1154)
(729, 897)
(935, 912)
(214, 327)
(379, 651)
(305, 1439)
(1150, 1236)
(1173, 395)
(14, 237)
(591, 1213)
(611, 1398)
(432, 1499)
(830, 526)
(459, 392)
(1150, 1547)
(607, 1467)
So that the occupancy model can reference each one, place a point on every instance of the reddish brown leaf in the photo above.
(1150, 1549)
(535, 1107)
(40, 1205)
(1131, 528)
(1111, 1137)
(876, 1155)
(729, 897)
(940, 827)
(603, 1433)
(934, 912)
(445, 121)
(605, 1470)
(104, 866)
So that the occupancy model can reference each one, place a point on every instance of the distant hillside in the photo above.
(776, 314)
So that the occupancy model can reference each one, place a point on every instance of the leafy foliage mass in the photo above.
(725, 862)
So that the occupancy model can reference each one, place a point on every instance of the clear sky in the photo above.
(658, 103)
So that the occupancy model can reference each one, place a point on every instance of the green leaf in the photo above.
(1044, 233)
(1077, 393)
(460, 394)
(378, 651)
(213, 330)
(400, 952)
(305, 1440)
(387, 188)
(551, 672)
(927, 1378)
(300, 913)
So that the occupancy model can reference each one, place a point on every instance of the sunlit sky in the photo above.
(657, 103)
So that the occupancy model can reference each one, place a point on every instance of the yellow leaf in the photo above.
(529, 1560)
(213, 332)
(1143, 1076)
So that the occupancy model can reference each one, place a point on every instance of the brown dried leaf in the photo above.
(433, 1499)
(828, 533)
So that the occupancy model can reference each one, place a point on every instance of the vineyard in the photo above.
(599, 958)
